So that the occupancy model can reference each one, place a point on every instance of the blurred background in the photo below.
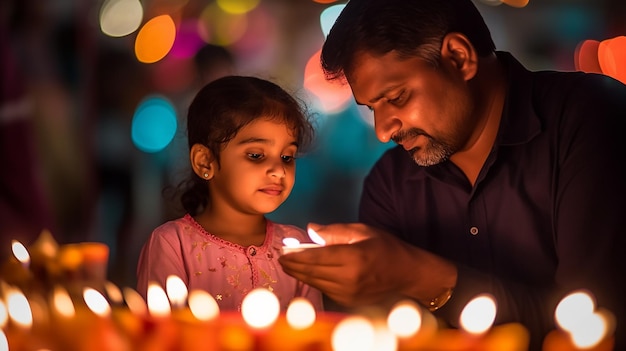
(94, 97)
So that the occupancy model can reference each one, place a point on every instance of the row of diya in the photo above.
(90, 313)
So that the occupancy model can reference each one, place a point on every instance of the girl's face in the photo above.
(257, 169)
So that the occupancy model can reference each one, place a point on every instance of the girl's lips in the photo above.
(272, 190)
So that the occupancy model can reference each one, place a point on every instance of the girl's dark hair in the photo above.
(413, 28)
(222, 107)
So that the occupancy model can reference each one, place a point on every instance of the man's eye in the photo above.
(287, 159)
(397, 100)
(255, 156)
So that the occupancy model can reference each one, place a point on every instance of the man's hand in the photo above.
(363, 265)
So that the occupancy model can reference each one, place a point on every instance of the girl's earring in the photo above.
(206, 175)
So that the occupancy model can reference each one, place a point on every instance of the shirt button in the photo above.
(474, 230)
(251, 251)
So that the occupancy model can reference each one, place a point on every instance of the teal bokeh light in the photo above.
(154, 124)
(329, 16)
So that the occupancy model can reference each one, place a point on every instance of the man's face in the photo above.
(427, 110)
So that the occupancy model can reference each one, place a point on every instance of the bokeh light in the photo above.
(612, 57)
(220, 27)
(187, 41)
(155, 39)
(607, 57)
(516, 3)
(479, 314)
(332, 96)
(154, 124)
(237, 6)
(586, 57)
(119, 18)
(260, 37)
(329, 16)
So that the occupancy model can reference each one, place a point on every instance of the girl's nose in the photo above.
(278, 170)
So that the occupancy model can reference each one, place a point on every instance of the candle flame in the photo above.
(353, 333)
(135, 302)
(62, 302)
(573, 308)
(19, 308)
(4, 315)
(203, 306)
(176, 290)
(291, 242)
(404, 319)
(588, 332)
(300, 313)
(96, 302)
(113, 292)
(576, 314)
(479, 314)
(260, 308)
(158, 304)
(20, 252)
(316, 238)
(4, 342)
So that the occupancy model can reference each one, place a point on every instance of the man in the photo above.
(513, 185)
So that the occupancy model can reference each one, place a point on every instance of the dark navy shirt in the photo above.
(547, 214)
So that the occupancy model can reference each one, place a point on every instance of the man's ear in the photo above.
(202, 161)
(459, 51)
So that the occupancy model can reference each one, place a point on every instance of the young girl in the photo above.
(244, 134)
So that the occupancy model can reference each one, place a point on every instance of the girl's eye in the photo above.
(255, 156)
(287, 159)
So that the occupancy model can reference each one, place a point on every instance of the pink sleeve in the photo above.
(160, 257)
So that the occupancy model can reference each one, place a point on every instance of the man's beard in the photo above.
(435, 151)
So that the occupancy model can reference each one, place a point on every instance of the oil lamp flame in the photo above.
(576, 314)
(158, 304)
(135, 302)
(291, 242)
(479, 314)
(316, 238)
(176, 291)
(404, 319)
(4, 315)
(203, 306)
(353, 333)
(62, 302)
(19, 309)
(300, 313)
(260, 308)
(96, 302)
(20, 252)
(573, 308)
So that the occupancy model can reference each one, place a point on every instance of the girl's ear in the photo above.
(459, 51)
(202, 161)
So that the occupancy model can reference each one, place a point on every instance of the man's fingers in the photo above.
(339, 233)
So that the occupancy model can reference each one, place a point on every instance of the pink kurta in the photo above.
(228, 271)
